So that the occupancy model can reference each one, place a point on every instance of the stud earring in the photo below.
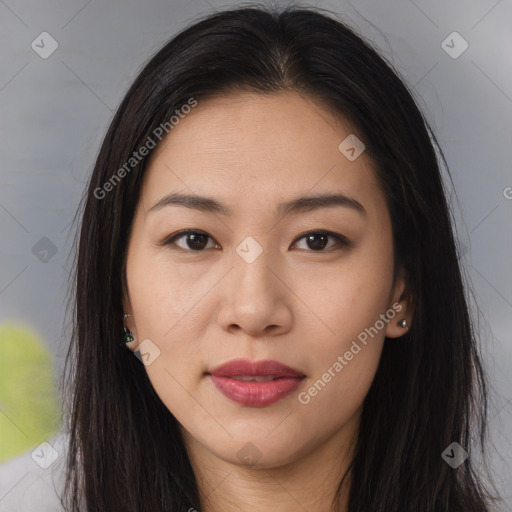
(127, 335)
(402, 323)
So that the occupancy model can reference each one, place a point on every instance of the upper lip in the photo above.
(246, 367)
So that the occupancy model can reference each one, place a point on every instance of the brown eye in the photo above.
(317, 241)
(193, 240)
(197, 241)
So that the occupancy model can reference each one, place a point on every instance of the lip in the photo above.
(255, 394)
(266, 368)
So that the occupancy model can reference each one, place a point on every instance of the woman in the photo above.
(266, 230)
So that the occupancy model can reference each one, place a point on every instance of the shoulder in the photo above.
(35, 479)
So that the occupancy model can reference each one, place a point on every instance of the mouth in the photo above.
(254, 378)
(245, 368)
(253, 392)
(255, 384)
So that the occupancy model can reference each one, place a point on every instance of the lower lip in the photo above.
(255, 394)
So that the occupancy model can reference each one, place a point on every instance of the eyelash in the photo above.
(342, 240)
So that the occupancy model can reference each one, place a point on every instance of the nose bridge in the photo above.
(253, 264)
(254, 291)
(255, 298)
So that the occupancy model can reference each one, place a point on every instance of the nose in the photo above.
(256, 299)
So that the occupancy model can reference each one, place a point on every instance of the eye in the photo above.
(318, 240)
(196, 241)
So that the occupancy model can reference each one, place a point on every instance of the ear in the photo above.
(129, 322)
(400, 303)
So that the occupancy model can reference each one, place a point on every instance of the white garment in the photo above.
(33, 481)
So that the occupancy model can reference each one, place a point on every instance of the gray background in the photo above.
(55, 111)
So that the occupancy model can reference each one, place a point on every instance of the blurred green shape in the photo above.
(28, 393)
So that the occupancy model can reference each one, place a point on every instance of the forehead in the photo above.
(263, 146)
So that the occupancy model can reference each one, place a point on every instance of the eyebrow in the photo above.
(297, 205)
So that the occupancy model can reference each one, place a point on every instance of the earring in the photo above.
(403, 323)
(127, 335)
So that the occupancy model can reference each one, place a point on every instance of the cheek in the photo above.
(165, 296)
(345, 359)
(166, 302)
(334, 397)
(346, 299)
(348, 334)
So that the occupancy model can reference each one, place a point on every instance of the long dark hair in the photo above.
(125, 448)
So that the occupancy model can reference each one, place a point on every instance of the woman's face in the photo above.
(261, 281)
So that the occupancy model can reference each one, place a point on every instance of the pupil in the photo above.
(195, 237)
(314, 239)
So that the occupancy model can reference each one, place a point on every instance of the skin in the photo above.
(294, 304)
